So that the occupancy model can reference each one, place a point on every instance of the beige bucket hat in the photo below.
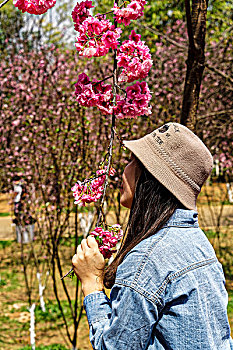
(177, 158)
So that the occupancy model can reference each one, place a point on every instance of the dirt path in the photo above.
(7, 229)
(208, 219)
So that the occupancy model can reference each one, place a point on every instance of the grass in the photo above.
(4, 244)
(52, 313)
(47, 347)
(15, 316)
(210, 233)
(2, 282)
(10, 280)
(230, 303)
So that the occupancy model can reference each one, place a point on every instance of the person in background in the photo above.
(167, 286)
(17, 196)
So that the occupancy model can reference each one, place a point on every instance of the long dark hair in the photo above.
(152, 206)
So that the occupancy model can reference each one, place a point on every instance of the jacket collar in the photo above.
(183, 218)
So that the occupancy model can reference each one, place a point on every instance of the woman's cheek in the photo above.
(127, 196)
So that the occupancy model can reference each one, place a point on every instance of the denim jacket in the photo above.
(169, 294)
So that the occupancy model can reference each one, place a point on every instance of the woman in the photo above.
(167, 286)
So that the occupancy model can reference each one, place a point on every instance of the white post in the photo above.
(41, 290)
(32, 326)
(230, 192)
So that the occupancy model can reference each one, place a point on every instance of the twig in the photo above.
(212, 114)
(213, 69)
(215, 47)
(4, 3)
(57, 297)
(71, 270)
(98, 82)
(166, 37)
(106, 13)
(103, 14)
(120, 88)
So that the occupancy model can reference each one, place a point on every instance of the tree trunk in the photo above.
(196, 25)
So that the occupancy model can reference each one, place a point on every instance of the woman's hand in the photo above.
(89, 266)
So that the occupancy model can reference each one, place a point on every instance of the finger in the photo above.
(91, 242)
(74, 259)
(84, 245)
(79, 250)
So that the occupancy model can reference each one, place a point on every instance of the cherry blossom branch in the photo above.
(115, 85)
(111, 103)
(108, 168)
(92, 178)
(120, 139)
(113, 121)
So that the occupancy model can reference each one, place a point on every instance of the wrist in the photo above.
(94, 285)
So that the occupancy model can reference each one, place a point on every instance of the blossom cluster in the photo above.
(34, 7)
(95, 35)
(94, 94)
(135, 58)
(132, 11)
(91, 189)
(107, 239)
(81, 12)
(133, 104)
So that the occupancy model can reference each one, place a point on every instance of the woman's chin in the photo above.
(125, 202)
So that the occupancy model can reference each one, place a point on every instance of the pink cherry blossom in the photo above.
(96, 36)
(135, 58)
(132, 11)
(34, 7)
(16, 122)
(107, 239)
(94, 94)
(136, 103)
(81, 12)
(91, 189)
